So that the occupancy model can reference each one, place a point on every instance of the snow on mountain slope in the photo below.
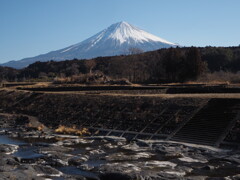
(115, 40)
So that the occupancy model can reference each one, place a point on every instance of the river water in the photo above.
(89, 157)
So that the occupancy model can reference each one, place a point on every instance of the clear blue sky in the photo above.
(32, 27)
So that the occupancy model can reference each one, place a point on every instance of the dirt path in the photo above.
(203, 95)
(157, 95)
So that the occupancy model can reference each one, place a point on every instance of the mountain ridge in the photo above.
(117, 39)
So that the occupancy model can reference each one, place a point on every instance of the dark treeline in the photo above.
(164, 65)
(8, 74)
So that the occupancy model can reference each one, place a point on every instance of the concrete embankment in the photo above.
(132, 113)
(135, 116)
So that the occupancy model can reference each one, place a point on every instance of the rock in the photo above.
(191, 160)
(121, 143)
(8, 149)
(115, 157)
(133, 147)
(234, 159)
(110, 146)
(179, 173)
(6, 168)
(76, 177)
(68, 142)
(55, 150)
(143, 155)
(217, 178)
(170, 149)
(170, 156)
(161, 151)
(59, 143)
(196, 178)
(128, 157)
(184, 169)
(2, 132)
(208, 168)
(77, 160)
(154, 164)
(49, 136)
(86, 167)
(29, 159)
(74, 141)
(89, 148)
(21, 172)
(114, 176)
(143, 143)
(55, 155)
(12, 162)
(47, 171)
(236, 177)
(96, 152)
(84, 141)
(124, 167)
(167, 176)
(55, 162)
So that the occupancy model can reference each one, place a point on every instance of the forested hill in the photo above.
(164, 65)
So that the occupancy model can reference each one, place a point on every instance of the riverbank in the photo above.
(134, 116)
(29, 153)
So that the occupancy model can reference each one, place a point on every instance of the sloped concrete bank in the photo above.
(54, 109)
(132, 117)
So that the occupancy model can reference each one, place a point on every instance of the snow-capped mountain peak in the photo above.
(117, 39)
(123, 32)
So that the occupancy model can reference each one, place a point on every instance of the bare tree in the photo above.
(90, 64)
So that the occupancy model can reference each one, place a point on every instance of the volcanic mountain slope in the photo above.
(117, 39)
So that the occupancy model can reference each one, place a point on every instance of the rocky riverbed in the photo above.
(28, 152)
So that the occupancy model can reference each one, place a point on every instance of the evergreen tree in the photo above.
(171, 63)
(194, 66)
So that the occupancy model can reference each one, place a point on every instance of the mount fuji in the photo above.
(117, 39)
